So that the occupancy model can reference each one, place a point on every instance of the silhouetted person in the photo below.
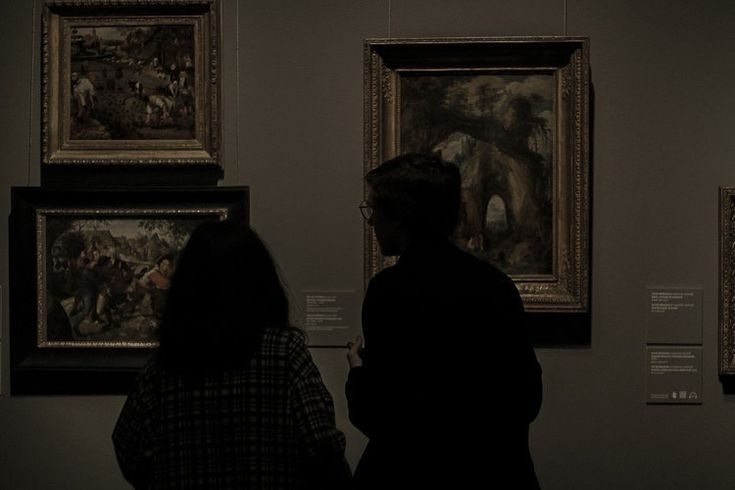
(232, 398)
(449, 381)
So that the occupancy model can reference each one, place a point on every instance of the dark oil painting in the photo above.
(499, 130)
(132, 82)
(107, 277)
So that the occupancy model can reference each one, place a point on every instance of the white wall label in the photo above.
(674, 316)
(331, 317)
(674, 374)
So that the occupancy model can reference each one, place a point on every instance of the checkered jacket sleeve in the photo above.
(321, 444)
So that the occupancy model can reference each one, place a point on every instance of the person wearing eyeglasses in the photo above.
(448, 381)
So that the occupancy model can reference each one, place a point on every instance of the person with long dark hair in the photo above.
(232, 397)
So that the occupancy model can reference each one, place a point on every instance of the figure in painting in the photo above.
(84, 95)
(83, 284)
(157, 281)
(116, 286)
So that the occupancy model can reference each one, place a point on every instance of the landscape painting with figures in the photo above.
(132, 82)
(499, 130)
(106, 277)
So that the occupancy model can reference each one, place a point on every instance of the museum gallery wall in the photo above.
(132, 90)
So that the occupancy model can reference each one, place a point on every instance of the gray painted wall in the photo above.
(292, 81)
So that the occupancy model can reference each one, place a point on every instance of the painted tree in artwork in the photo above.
(177, 231)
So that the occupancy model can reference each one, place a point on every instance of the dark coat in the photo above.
(450, 381)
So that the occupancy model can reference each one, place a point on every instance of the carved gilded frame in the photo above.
(53, 352)
(727, 282)
(199, 145)
(565, 288)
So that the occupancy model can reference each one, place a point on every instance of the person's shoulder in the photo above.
(151, 374)
(285, 334)
(386, 273)
(284, 339)
(286, 348)
(489, 269)
(386, 276)
(485, 271)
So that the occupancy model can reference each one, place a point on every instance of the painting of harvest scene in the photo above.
(499, 130)
(107, 279)
(132, 82)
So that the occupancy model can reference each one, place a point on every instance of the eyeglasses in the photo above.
(367, 210)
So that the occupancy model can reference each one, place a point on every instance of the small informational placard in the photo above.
(674, 374)
(331, 317)
(674, 316)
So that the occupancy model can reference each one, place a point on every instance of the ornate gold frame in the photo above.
(727, 285)
(43, 363)
(386, 60)
(57, 146)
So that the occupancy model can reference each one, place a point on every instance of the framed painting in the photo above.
(130, 82)
(727, 284)
(513, 115)
(89, 275)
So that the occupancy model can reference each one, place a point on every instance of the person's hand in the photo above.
(353, 352)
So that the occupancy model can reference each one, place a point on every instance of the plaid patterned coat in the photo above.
(270, 426)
